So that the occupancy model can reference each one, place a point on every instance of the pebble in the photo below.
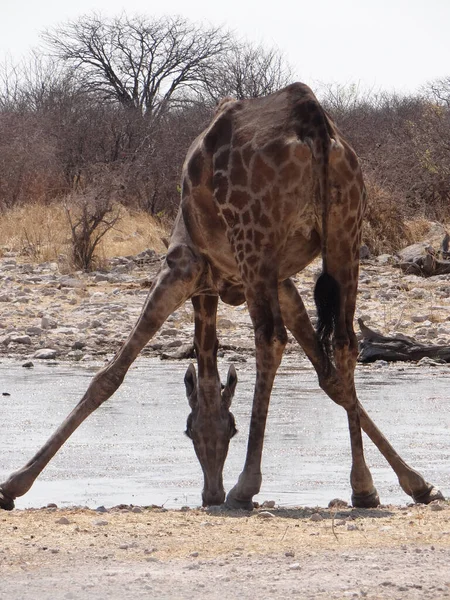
(63, 521)
(265, 514)
(45, 354)
(294, 567)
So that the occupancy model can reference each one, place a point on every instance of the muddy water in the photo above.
(133, 450)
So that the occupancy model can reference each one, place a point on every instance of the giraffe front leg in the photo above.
(270, 341)
(174, 284)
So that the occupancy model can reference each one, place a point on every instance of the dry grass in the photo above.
(42, 233)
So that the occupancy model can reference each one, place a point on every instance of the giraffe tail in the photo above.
(327, 293)
(327, 297)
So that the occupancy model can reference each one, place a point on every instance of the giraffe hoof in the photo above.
(371, 500)
(428, 496)
(6, 503)
(234, 503)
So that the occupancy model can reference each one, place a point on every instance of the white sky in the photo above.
(379, 44)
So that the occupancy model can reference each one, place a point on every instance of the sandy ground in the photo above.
(387, 553)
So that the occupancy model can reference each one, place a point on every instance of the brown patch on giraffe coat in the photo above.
(195, 168)
(303, 153)
(239, 199)
(238, 174)
(256, 210)
(278, 151)
(262, 174)
(247, 154)
(355, 198)
(245, 217)
(220, 134)
(258, 238)
(221, 160)
(289, 173)
(276, 212)
(228, 215)
(264, 221)
(350, 157)
(220, 186)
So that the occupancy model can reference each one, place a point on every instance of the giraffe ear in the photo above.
(190, 381)
(230, 387)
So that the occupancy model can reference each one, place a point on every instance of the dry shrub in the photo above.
(418, 229)
(384, 227)
(41, 233)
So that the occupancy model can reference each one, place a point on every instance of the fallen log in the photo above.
(374, 346)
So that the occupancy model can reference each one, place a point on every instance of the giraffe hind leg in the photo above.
(297, 321)
(176, 281)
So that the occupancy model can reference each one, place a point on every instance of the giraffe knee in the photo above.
(267, 333)
(184, 260)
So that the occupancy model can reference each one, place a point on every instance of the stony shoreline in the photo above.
(49, 315)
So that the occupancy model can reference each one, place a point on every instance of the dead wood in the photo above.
(374, 346)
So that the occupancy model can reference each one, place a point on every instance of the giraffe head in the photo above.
(210, 426)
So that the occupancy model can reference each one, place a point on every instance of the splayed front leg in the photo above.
(175, 283)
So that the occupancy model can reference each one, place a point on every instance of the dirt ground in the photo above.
(134, 552)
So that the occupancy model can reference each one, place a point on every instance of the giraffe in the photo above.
(268, 186)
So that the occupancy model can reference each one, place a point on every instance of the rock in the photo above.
(28, 364)
(316, 517)
(21, 339)
(78, 345)
(5, 298)
(265, 514)
(268, 504)
(101, 509)
(136, 509)
(364, 252)
(63, 521)
(417, 293)
(75, 354)
(100, 523)
(436, 505)
(294, 567)
(337, 503)
(385, 259)
(48, 323)
(419, 318)
(45, 354)
(33, 330)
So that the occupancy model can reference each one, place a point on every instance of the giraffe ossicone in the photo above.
(266, 188)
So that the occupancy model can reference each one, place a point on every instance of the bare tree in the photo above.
(248, 71)
(439, 90)
(139, 62)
